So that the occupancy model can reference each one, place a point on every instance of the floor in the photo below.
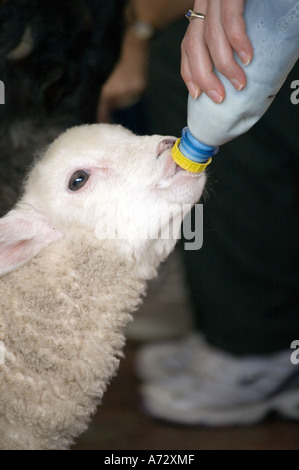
(122, 424)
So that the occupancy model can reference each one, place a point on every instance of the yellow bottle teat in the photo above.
(185, 163)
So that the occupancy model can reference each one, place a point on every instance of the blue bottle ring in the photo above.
(194, 150)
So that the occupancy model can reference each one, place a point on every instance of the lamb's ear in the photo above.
(23, 234)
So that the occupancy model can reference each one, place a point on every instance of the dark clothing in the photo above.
(244, 281)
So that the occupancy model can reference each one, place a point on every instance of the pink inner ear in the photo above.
(23, 234)
(14, 253)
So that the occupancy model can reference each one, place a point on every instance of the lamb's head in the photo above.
(104, 181)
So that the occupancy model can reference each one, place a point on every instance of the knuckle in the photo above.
(226, 18)
(202, 78)
(232, 27)
(184, 73)
(223, 65)
(188, 45)
(211, 33)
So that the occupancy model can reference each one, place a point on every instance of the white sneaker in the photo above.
(216, 388)
(163, 359)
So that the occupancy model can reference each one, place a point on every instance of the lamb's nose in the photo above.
(165, 144)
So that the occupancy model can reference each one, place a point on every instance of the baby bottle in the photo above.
(273, 28)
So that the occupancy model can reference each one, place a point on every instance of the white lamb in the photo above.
(75, 254)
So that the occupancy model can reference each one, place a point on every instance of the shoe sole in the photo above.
(286, 405)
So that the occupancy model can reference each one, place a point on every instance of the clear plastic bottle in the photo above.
(273, 28)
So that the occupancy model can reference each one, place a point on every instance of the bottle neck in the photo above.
(194, 150)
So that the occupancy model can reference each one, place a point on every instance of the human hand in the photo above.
(212, 41)
(127, 82)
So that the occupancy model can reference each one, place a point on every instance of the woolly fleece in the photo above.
(66, 293)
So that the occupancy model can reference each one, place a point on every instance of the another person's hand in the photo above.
(127, 83)
(211, 42)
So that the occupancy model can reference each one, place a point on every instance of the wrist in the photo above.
(139, 22)
(142, 30)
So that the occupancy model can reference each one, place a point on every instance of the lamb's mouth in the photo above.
(175, 172)
(180, 170)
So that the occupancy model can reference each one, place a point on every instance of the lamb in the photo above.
(74, 261)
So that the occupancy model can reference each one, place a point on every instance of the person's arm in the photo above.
(211, 41)
(128, 80)
(159, 13)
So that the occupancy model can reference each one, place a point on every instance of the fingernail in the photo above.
(238, 85)
(244, 57)
(215, 96)
(193, 90)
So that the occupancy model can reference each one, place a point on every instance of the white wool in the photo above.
(73, 267)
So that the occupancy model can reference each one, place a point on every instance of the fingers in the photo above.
(197, 65)
(191, 49)
(235, 29)
(212, 42)
(218, 41)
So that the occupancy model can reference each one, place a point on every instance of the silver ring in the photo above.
(191, 15)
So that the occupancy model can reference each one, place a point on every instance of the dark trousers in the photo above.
(244, 281)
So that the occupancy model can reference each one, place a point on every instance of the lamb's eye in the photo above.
(78, 180)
